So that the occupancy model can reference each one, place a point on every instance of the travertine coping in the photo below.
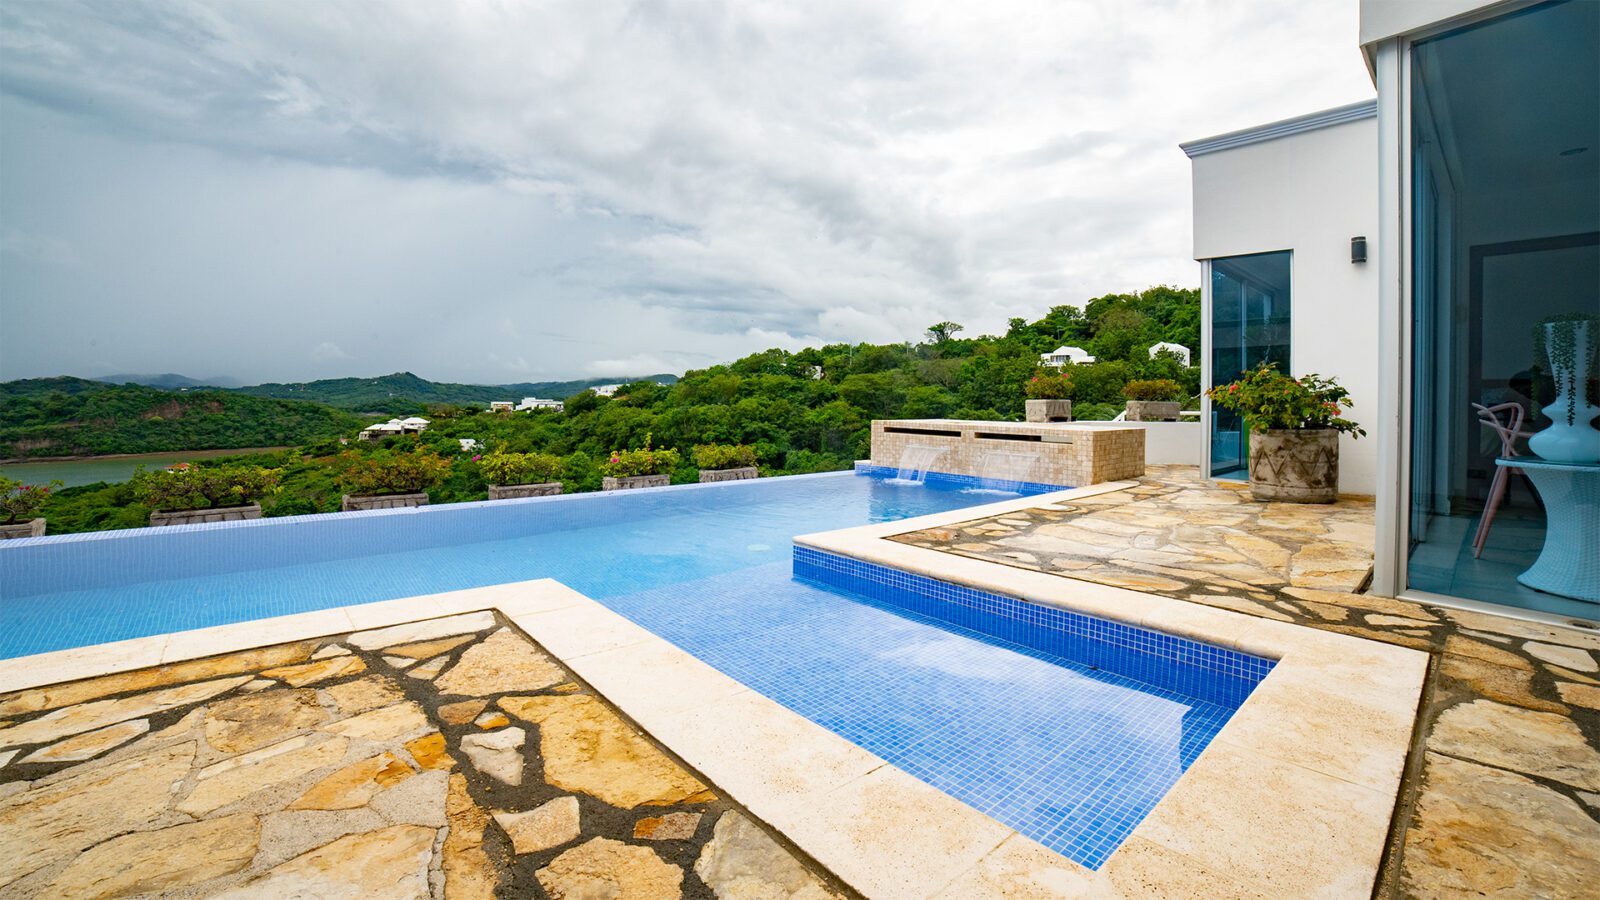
(1293, 798)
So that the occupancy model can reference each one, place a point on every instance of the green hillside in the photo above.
(404, 393)
(45, 417)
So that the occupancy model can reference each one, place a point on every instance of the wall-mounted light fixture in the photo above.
(1358, 249)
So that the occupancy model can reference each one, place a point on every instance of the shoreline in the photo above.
(111, 457)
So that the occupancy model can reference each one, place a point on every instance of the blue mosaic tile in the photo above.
(967, 482)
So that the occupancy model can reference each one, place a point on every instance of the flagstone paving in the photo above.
(1502, 795)
(330, 768)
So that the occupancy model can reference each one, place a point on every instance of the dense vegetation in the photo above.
(805, 411)
(406, 394)
(45, 417)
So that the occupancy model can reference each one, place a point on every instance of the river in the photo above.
(73, 472)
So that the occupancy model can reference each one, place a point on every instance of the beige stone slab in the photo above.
(1022, 868)
(1290, 716)
(575, 631)
(859, 832)
(429, 629)
(89, 745)
(774, 761)
(72, 720)
(78, 663)
(1275, 825)
(1144, 868)
(402, 720)
(235, 779)
(185, 645)
(655, 677)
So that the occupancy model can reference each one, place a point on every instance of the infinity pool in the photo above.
(1044, 736)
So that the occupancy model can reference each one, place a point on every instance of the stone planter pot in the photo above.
(635, 481)
(30, 528)
(382, 501)
(1295, 465)
(518, 491)
(1049, 410)
(1153, 411)
(159, 519)
(743, 473)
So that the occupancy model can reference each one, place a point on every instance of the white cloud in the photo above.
(328, 351)
(656, 180)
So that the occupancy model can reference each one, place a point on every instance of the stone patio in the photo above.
(1502, 795)
(448, 758)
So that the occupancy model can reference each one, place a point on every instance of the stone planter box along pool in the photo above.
(1049, 410)
(160, 518)
(1055, 453)
(743, 473)
(1153, 411)
(635, 481)
(30, 528)
(518, 491)
(383, 501)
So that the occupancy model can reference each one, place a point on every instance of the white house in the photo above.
(538, 403)
(1410, 246)
(1063, 356)
(1178, 350)
(606, 390)
(412, 425)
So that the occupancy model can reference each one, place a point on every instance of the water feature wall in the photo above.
(1059, 453)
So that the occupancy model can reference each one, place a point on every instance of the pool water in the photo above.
(1064, 750)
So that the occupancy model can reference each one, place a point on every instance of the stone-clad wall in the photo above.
(1069, 455)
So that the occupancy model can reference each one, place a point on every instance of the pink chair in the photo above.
(1510, 431)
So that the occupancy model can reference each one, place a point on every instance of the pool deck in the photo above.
(1323, 784)
(1502, 794)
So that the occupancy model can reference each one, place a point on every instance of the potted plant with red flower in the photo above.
(1294, 426)
(1048, 391)
(18, 503)
(629, 469)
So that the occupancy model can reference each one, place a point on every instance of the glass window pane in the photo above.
(1506, 236)
(1249, 326)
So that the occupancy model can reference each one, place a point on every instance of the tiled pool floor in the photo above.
(1068, 755)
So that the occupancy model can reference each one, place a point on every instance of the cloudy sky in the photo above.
(513, 191)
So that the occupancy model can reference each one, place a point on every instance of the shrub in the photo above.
(1049, 384)
(388, 472)
(1158, 389)
(1268, 399)
(724, 456)
(188, 486)
(520, 468)
(631, 463)
(1095, 412)
(20, 501)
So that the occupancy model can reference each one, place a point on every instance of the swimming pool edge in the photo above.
(1332, 720)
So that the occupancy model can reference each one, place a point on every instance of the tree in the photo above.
(940, 332)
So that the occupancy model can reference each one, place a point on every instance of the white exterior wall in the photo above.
(1310, 193)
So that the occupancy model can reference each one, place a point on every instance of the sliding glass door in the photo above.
(1505, 152)
(1249, 326)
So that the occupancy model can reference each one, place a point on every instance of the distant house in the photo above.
(501, 406)
(412, 425)
(540, 403)
(606, 390)
(468, 444)
(1177, 350)
(1065, 356)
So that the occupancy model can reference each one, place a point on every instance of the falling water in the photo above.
(915, 463)
(1004, 471)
